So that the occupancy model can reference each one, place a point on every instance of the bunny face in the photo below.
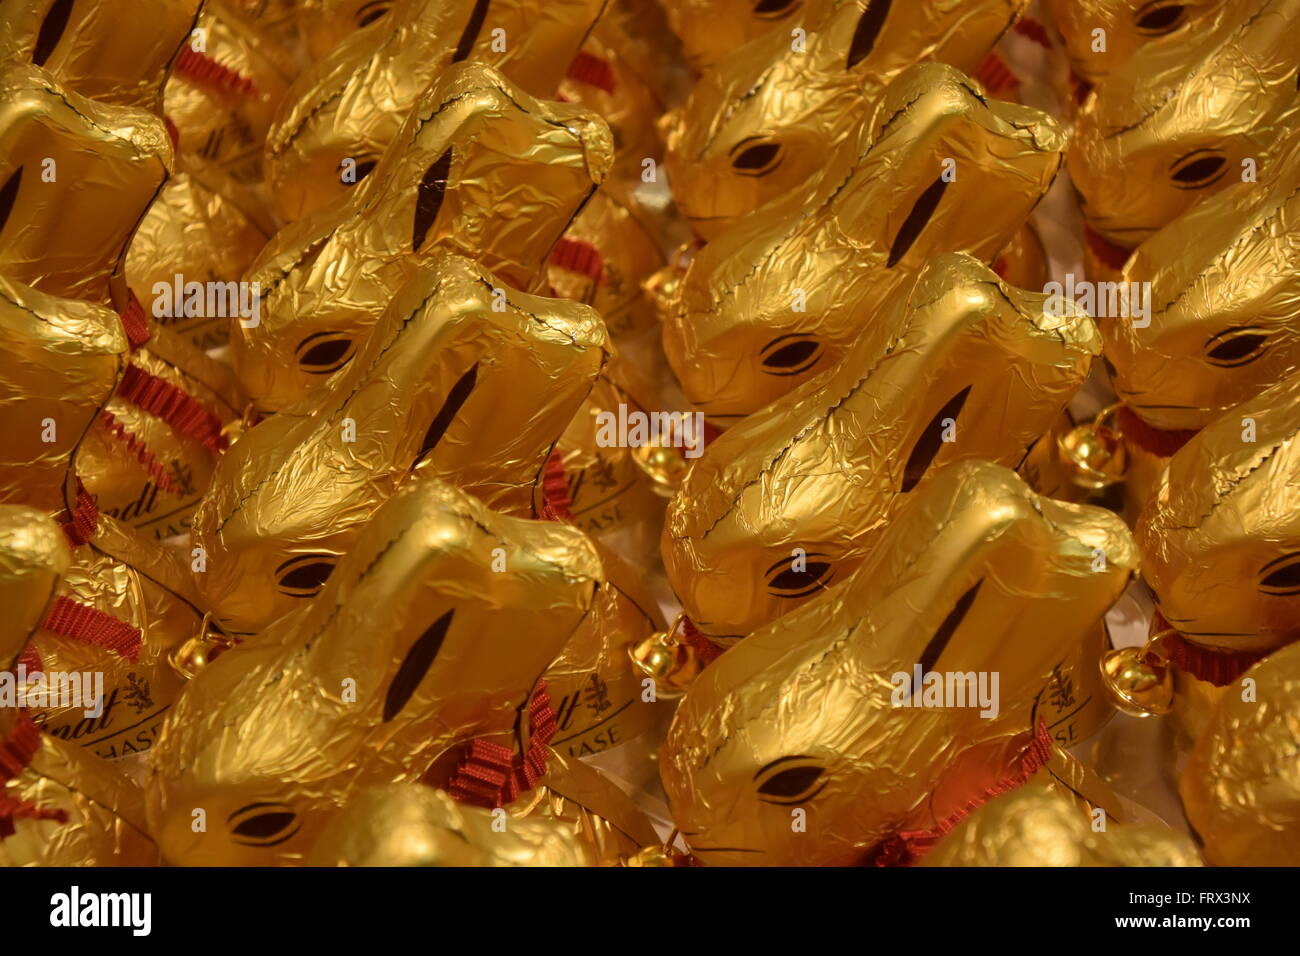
(33, 556)
(812, 479)
(447, 385)
(1156, 137)
(451, 181)
(1129, 25)
(762, 121)
(1220, 534)
(417, 643)
(62, 359)
(1241, 785)
(1224, 288)
(351, 105)
(67, 236)
(739, 339)
(711, 29)
(89, 53)
(974, 575)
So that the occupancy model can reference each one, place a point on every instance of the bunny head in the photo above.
(463, 378)
(451, 181)
(781, 295)
(762, 121)
(977, 575)
(33, 557)
(434, 629)
(1220, 533)
(792, 498)
(710, 29)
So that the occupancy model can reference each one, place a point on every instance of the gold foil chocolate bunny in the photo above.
(1241, 785)
(349, 107)
(1220, 534)
(454, 179)
(1224, 295)
(1178, 124)
(1037, 826)
(59, 806)
(711, 29)
(762, 121)
(82, 44)
(434, 629)
(781, 295)
(848, 708)
(791, 499)
(463, 378)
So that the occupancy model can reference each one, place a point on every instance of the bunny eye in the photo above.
(415, 666)
(363, 168)
(263, 824)
(451, 405)
(1281, 577)
(1156, 19)
(325, 352)
(1235, 347)
(917, 219)
(51, 32)
(773, 9)
(867, 31)
(428, 200)
(799, 779)
(304, 575)
(370, 12)
(790, 355)
(784, 581)
(931, 440)
(934, 650)
(757, 158)
(1199, 169)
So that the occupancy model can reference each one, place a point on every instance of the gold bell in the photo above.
(193, 655)
(1138, 681)
(665, 466)
(1093, 453)
(672, 664)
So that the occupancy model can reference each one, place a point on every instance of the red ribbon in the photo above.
(577, 255)
(1034, 30)
(491, 775)
(908, 846)
(80, 525)
(202, 68)
(89, 625)
(1155, 441)
(705, 649)
(557, 505)
(996, 76)
(16, 752)
(143, 455)
(592, 70)
(135, 323)
(175, 406)
(1219, 668)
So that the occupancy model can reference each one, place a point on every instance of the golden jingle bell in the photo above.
(1093, 453)
(672, 664)
(664, 465)
(1137, 682)
(193, 655)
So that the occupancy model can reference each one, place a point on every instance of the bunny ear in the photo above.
(52, 29)
(415, 666)
(867, 31)
(930, 441)
(9, 195)
(469, 36)
(456, 397)
(922, 212)
(432, 189)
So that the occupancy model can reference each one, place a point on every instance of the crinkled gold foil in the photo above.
(85, 46)
(1035, 826)
(976, 574)
(351, 104)
(479, 168)
(711, 29)
(415, 645)
(1225, 291)
(815, 476)
(1177, 124)
(414, 825)
(783, 294)
(1218, 534)
(1241, 786)
(446, 385)
(762, 121)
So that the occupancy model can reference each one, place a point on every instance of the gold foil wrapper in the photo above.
(1241, 785)
(711, 29)
(761, 122)
(479, 168)
(351, 104)
(975, 575)
(1177, 124)
(446, 385)
(1217, 532)
(415, 645)
(1036, 826)
(782, 295)
(794, 497)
